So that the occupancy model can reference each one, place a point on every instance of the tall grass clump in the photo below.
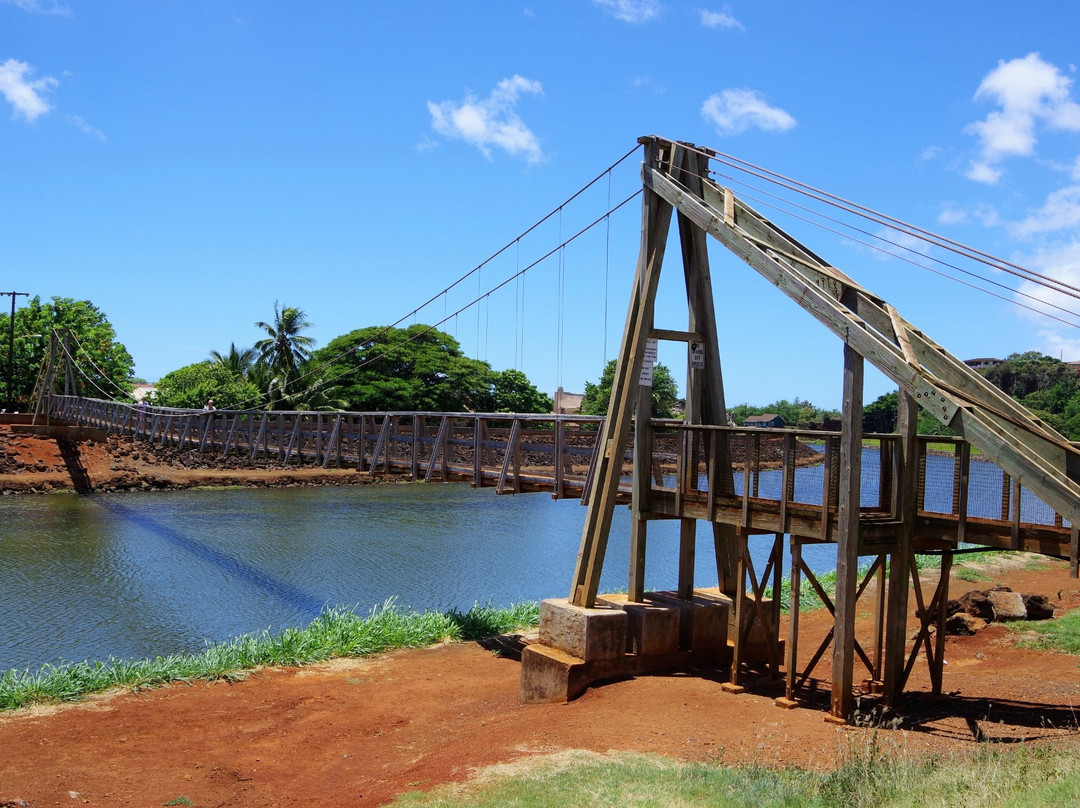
(335, 633)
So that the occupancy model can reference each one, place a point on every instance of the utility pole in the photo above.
(11, 347)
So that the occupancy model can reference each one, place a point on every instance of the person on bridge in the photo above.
(209, 405)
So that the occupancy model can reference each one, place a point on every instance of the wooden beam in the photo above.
(847, 548)
(656, 218)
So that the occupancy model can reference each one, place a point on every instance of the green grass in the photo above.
(1060, 634)
(1024, 776)
(335, 633)
(970, 575)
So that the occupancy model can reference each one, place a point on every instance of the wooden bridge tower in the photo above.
(587, 637)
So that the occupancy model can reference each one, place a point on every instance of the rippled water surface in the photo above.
(140, 574)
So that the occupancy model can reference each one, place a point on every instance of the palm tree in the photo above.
(237, 361)
(285, 347)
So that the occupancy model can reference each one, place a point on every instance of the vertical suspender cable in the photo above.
(561, 312)
(517, 304)
(607, 263)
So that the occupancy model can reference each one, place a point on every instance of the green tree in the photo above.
(1022, 374)
(513, 392)
(191, 386)
(665, 392)
(103, 366)
(284, 349)
(415, 368)
(238, 361)
(797, 414)
(880, 414)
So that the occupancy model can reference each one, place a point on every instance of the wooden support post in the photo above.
(733, 686)
(1017, 494)
(294, 437)
(879, 620)
(262, 435)
(478, 452)
(559, 470)
(381, 445)
(937, 668)
(687, 547)
(509, 459)
(793, 621)
(656, 218)
(847, 546)
(417, 432)
(1074, 551)
(437, 448)
(964, 460)
(332, 443)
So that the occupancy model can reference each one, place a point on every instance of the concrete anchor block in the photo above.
(592, 634)
(652, 629)
(703, 622)
(550, 675)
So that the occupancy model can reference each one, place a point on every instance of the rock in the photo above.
(963, 624)
(1007, 605)
(1038, 607)
(977, 604)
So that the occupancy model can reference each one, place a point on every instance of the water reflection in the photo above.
(139, 574)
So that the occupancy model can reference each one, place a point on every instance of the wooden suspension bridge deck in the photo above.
(557, 454)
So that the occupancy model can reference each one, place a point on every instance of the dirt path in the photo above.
(359, 732)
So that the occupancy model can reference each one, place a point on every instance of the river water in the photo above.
(135, 575)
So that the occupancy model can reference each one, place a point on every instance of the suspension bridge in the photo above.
(881, 497)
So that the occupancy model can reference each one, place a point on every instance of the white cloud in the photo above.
(87, 129)
(1062, 263)
(39, 6)
(1061, 211)
(647, 84)
(631, 10)
(1029, 92)
(890, 243)
(492, 121)
(22, 92)
(952, 214)
(720, 19)
(737, 110)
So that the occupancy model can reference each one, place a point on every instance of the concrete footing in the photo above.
(619, 637)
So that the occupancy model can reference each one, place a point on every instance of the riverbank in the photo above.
(31, 464)
(361, 731)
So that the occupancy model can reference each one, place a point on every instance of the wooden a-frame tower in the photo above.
(585, 637)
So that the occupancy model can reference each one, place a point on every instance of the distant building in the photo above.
(982, 362)
(143, 391)
(567, 403)
(769, 420)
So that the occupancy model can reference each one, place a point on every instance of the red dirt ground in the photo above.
(360, 732)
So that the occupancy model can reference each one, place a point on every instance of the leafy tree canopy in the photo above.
(193, 385)
(423, 369)
(665, 392)
(513, 392)
(797, 414)
(103, 365)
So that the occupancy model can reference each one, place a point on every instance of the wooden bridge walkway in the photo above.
(783, 492)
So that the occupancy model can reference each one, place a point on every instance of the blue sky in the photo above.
(186, 165)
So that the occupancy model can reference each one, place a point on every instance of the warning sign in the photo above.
(648, 360)
(697, 355)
